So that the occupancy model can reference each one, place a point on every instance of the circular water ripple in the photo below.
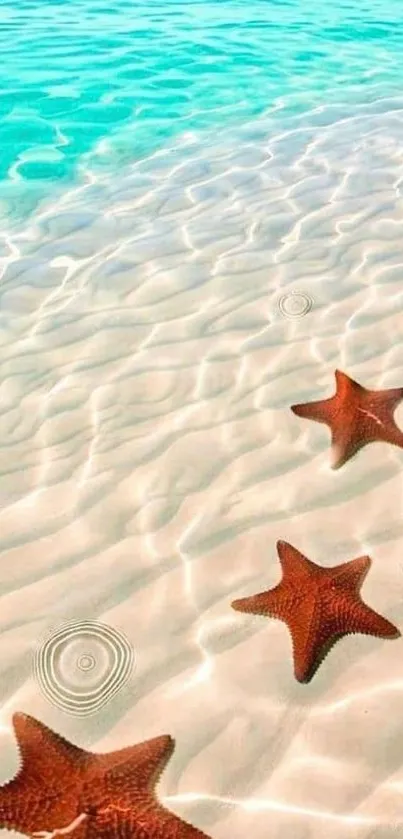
(82, 665)
(295, 304)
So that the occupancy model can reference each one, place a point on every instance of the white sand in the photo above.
(150, 462)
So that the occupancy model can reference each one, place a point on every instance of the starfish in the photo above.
(319, 605)
(356, 416)
(63, 790)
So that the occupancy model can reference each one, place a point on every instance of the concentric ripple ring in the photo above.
(295, 304)
(82, 665)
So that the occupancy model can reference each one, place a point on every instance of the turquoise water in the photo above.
(89, 86)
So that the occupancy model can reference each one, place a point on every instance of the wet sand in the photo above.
(150, 462)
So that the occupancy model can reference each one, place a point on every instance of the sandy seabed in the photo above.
(150, 462)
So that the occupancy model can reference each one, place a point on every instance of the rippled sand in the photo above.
(150, 462)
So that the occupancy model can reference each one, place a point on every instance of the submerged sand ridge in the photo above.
(150, 462)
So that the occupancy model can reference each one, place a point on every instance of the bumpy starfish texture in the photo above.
(319, 605)
(356, 416)
(62, 790)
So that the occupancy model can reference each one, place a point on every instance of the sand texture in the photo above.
(150, 462)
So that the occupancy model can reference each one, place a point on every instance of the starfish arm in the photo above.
(350, 575)
(31, 811)
(44, 754)
(296, 568)
(320, 411)
(145, 758)
(345, 385)
(345, 443)
(387, 432)
(388, 399)
(374, 416)
(139, 773)
(265, 604)
(309, 637)
(279, 601)
(352, 613)
(394, 435)
(348, 440)
(358, 618)
(42, 794)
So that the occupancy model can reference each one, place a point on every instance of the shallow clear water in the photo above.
(201, 220)
(90, 86)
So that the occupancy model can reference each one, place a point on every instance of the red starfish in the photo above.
(319, 605)
(61, 789)
(356, 416)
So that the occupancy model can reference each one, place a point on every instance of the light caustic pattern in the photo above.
(152, 338)
(150, 460)
(106, 82)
